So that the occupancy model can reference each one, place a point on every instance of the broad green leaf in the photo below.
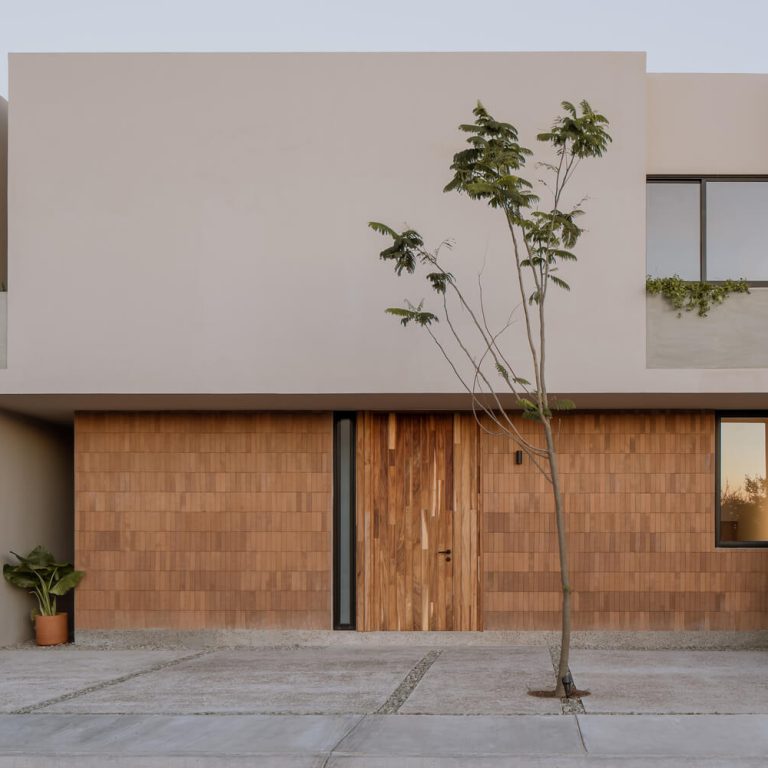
(67, 582)
(19, 578)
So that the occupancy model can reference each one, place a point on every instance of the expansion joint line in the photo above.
(400, 695)
(107, 683)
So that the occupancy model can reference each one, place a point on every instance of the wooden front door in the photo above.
(417, 555)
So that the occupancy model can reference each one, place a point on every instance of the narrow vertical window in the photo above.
(344, 521)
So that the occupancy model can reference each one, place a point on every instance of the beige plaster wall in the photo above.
(3, 191)
(707, 124)
(197, 223)
(3, 228)
(731, 336)
(36, 507)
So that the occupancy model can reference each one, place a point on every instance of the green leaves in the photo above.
(530, 409)
(440, 280)
(485, 170)
(579, 135)
(560, 283)
(550, 233)
(685, 295)
(68, 581)
(41, 575)
(406, 247)
(412, 315)
(504, 373)
(19, 578)
(490, 168)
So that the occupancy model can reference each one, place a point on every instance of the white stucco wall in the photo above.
(197, 223)
(36, 507)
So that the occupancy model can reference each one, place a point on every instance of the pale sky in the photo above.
(679, 35)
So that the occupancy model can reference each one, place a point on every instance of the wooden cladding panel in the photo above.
(639, 493)
(417, 494)
(203, 520)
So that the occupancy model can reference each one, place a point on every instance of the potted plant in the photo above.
(40, 574)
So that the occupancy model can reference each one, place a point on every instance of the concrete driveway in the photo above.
(377, 707)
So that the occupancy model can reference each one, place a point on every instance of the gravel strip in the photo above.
(392, 705)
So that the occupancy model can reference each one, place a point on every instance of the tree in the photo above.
(541, 240)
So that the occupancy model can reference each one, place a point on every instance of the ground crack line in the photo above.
(106, 684)
(343, 738)
(581, 735)
(400, 695)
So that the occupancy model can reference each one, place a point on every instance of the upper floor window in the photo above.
(707, 228)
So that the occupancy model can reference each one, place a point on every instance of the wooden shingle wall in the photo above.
(203, 520)
(640, 504)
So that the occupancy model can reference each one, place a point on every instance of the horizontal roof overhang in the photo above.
(60, 408)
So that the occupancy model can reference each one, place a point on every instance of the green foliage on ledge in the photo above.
(688, 295)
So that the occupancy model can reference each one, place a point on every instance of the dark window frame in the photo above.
(719, 415)
(702, 182)
(337, 417)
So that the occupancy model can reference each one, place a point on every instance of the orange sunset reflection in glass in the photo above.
(743, 488)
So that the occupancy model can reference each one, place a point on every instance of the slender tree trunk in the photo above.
(565, 579)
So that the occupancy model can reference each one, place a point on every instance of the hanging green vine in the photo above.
(687, 295)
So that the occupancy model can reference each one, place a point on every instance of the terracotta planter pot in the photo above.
(51, 630)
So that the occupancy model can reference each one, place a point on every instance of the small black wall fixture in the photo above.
(518, 457)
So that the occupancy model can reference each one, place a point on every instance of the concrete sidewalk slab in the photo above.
(29, 676)
(557, 761)
(266, 681)
(180, 735)
(485, 681)
(168, 761)
(713, 736)
(323, 761)
(672, 682)
(459, 735)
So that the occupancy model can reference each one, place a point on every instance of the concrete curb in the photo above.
(234, 638)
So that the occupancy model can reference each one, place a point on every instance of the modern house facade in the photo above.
(195, 332)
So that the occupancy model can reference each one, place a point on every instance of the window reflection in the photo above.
(743, 485)
(736, 214)
(672, 235)
(734, 244)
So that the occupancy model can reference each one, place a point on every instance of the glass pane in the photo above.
(673, 229)
(344, 553)
(743, 502)
(736, 215)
